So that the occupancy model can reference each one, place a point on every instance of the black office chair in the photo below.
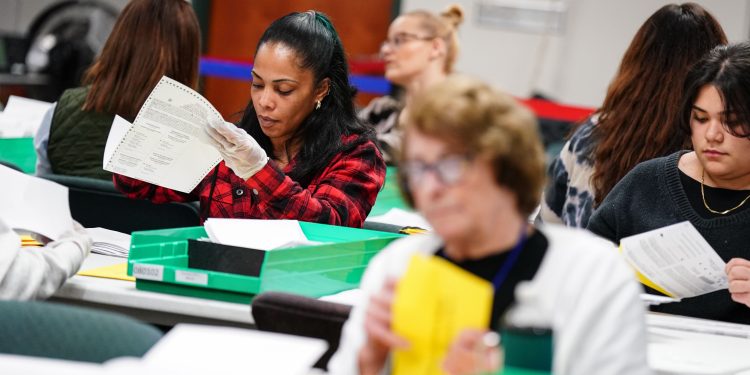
(43, 329)
(96, 203)
(301, 316)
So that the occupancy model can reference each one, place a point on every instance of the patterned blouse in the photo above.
(569, 197)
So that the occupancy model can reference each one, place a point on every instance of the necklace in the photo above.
(703, 195)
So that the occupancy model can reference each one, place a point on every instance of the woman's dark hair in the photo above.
(639, 119)
(728, 69)
(151, 39)
(318, 48)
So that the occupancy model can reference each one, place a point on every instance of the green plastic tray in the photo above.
(161, 263)
(19, 151)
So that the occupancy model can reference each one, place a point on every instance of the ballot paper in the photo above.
(676, 260)
(257, 234)
(34, 205)
(166, 144)
(434, 302)
(22, 117)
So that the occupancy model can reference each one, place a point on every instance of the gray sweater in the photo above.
(651, 196)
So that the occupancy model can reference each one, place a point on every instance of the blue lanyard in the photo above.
(502, 274)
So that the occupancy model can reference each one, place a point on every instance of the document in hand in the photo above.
(166, 144)
(33, 204)
(675, 260)
(436, 300)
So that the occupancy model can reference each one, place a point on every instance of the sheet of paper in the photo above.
(116, 271)
(653, 299)
(28, 203)
(677, 259)
(256, 234)
(224, 350)
(436, 300)
(402, 218)
(117, 132)
(22, 117)
(689, 324)
(166, 144)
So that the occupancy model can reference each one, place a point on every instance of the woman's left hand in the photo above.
(240, 151)
(738, 271)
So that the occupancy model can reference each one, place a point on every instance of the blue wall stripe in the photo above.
(241, 71)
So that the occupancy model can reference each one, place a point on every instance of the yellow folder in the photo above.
(436, 300)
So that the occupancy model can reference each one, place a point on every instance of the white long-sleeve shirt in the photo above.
(36, 273)
(583, 290)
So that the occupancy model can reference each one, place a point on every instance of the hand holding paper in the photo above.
(676, 260)
(240, 151)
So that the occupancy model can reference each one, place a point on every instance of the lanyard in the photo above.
(502, 274)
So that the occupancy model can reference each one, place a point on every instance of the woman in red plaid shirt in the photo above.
(299, 151)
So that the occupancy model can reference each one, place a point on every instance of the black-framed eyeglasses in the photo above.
(400, 39)
(448, 170)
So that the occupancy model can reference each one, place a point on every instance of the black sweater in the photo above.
(652, 196)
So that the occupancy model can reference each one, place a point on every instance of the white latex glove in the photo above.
(78, 236)
(241, 152)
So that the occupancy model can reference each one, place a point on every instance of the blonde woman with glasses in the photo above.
(420, 50)
(461, 169)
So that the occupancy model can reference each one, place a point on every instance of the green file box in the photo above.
(159, 261)
(390, 196)
(19, 151)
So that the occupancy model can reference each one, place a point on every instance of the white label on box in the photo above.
(191, 277)
(148, 272)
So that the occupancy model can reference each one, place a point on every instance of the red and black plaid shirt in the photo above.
(342, 194)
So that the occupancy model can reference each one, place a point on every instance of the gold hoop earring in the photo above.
(317, 104)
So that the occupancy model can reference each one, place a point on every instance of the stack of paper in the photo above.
(675, 351)
(109, 242)
(257, 234)
(402, 218)
(22, 117)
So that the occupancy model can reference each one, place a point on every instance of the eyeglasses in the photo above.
(400, 39)
(448, 170)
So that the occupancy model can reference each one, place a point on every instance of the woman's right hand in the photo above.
(380, 338)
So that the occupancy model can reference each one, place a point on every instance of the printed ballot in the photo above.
(166, 144)
(434, 302)
(675, 260)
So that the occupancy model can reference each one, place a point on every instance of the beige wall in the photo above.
(576, 66)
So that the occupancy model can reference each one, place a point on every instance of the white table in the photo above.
(158, 308)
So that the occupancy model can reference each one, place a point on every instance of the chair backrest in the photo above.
(301, 316)
(43, 329)
(97, 203)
